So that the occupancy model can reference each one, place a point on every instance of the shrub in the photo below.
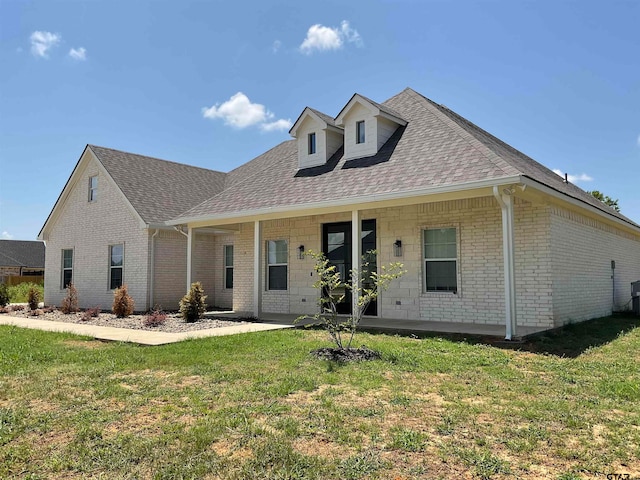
(33, 298)
(122, 302)
(90, 313)
(48, 309)
(4, 295)
(19, 293)
(70, 302)
(192, 306)
(5, 309)
(17, 308)
(155, 319)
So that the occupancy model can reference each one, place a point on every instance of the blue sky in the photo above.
(215, 84)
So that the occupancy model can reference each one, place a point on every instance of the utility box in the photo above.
(635, 297)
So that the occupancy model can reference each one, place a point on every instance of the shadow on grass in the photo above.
(568, 341)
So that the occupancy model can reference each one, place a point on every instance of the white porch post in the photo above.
(257, 264)
(505, 199)
(356, 243)
(190, 238)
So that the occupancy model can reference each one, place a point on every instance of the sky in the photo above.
(215, 84)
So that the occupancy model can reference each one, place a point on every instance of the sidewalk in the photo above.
(142, 337)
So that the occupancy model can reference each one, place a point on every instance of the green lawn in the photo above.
(259, 406)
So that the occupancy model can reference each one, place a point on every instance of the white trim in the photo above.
(190, 239)
(152, 269)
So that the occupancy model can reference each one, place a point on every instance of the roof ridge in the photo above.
(91, 146)
(470, 139)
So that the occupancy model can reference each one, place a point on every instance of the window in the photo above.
(360, 131)
(228, 266)
(67, 267)
(312, 143)
(277, 259)
(440, 260)
(116, 262)
(93, 188)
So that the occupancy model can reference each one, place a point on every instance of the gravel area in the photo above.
(173, 324)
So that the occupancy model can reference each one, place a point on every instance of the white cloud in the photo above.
(42, 42)
(281, 124)
(78, 53)
(583, 177)
(276, 46)
(239, 112)
(321, 38)
(6, 235)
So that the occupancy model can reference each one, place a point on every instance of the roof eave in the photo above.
(352, 201)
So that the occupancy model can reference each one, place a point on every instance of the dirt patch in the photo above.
(323, 448)
(344, 355)
(88, 344)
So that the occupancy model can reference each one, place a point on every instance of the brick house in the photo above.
(488, 235)
(21, 261)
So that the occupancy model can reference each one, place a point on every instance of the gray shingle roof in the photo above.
(21, 253)
(329, 120)
(436, 148)
(158, 189)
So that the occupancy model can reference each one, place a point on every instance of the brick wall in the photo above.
(582, 250)
(89, 228)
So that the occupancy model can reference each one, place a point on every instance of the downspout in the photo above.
(153, 267)
(505, 200)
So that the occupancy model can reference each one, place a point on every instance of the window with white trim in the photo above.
(228, 266)
(277, 264)
(440, 260)
(360, 138)
(116, 266)
(67, 268)
(312, 143)
(93, 188)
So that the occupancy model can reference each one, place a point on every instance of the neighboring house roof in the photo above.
(436, 148)
(21, 253)
(158, 189)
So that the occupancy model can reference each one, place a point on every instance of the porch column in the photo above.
(356, 243)
(190, 238)
(505, 199)
(257, 270)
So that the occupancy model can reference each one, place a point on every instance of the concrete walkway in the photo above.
(143, 337)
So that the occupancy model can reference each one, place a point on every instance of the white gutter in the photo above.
(505, 199)
(152, 268)
(352, 201)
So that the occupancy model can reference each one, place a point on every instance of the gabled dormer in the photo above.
(318, 138)
(367, 126)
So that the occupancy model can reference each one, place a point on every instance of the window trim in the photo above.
(63, 268)
(112, 267)
(93, 189)
(456, 260)
(227, 267)
(311, 143)
(360, 129)
(277, 264)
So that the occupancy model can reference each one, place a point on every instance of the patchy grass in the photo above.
(562, 406)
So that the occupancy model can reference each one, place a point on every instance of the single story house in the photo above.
(488, 236)
(21, 260)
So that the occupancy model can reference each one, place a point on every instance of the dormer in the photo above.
(318, 138)
(367, 126)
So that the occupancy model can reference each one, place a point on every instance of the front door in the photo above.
(336, 246)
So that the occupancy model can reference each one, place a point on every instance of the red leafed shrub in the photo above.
(155, 319)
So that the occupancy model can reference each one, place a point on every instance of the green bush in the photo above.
(20, 293)
(192, 306)
(4, 295)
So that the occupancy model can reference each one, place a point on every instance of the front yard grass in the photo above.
(259, 406)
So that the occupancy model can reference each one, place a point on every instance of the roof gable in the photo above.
(375, 108)
(324, 120)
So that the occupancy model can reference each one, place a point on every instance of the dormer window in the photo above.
(360, 132)
(312, 143)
